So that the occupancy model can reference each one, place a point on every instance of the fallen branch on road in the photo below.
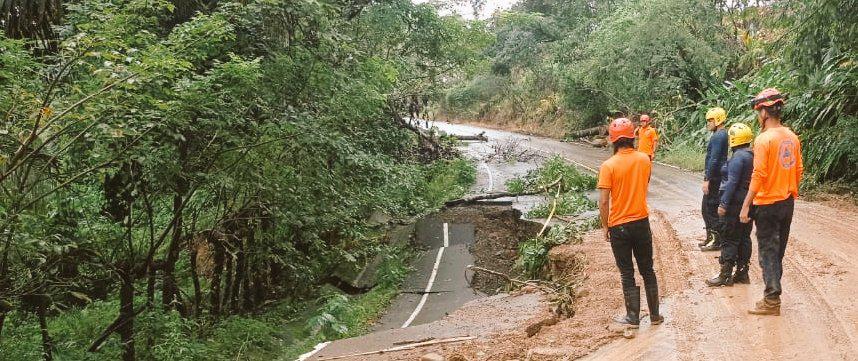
(496, 195)
(403, 347)
(480, 137)
(509, 279)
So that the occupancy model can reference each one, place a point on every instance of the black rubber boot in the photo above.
(714, 243)
(741, 275)
(655, 317)
(706, 240)
(725, 278)
(632, 297)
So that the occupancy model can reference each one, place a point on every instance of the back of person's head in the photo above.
(623, 143)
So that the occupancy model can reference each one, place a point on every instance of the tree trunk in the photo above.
(126, 314)
(2, 320)
(150, 296)
(170, 289)
(247, 292)
(196, 278)
(240, 277)
(216, 276)
(227, 282)
(47, 343)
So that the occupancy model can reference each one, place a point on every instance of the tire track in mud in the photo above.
(672, 269)
(666, 247)
(798, 272)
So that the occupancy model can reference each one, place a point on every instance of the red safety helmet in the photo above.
(645, 118)
(621, 128)
(767, 98)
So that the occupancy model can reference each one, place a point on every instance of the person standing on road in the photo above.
(716, 155)
(647, 137)
(736, 178)
(623, 183)
(774, 186)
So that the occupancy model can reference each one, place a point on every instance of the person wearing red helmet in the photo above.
(623, 183)
(647, 137)
(774, 186)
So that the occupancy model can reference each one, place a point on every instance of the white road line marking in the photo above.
(489, 172)
(316, 349)
(446, 235)
(446, 231)
(428, 289)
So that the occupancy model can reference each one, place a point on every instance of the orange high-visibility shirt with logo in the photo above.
(777, 166)
(626, 174)
(647, 137)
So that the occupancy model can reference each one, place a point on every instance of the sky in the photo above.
(463, 7)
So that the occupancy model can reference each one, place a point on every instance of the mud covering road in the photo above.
(819, 314)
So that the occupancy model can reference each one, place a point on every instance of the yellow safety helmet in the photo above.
(718, 114)
(739, 134)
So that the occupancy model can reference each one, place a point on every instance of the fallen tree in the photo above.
(495, 195)
(479, 137)
(589, 132)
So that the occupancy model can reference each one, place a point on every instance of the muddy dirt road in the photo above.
(819, 313)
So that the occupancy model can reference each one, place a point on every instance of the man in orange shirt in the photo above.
(623, 183)
(647, 137)
(774, 186)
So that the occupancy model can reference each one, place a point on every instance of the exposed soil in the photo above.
(599, 299)
(498, 231)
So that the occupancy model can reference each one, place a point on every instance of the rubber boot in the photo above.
(714, 244)
(741, 275)
(655, 317)
(632, 298)
(706, 240)
(725, 278)
(766, 307)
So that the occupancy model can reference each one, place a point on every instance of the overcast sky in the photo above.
(463, 7)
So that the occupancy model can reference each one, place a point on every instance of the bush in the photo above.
(684, 156)
(555, 168)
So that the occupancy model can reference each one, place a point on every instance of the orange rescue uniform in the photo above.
(777, 166)
(626, 174)
(647, 137)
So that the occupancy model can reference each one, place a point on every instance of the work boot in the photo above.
(655, 317)
(632, 297)
(725, 278)
(714, 243)
(741, 275)
(766, 307)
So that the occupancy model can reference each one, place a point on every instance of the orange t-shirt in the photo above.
(626, 174)
(647, 137)
(777, 166)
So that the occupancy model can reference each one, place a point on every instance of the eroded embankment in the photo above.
(598, 299)
(498, 231)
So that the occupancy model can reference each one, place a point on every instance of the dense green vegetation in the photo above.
(564, 187)
(578, 62)
(180, 177)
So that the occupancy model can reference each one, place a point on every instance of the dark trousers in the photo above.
(633, 239)
(709, 208)
(736, 249)
(773, 222)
